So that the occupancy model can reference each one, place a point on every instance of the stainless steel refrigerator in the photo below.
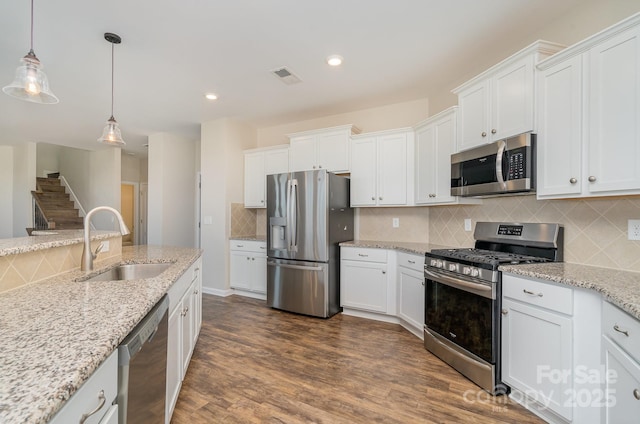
(308, 214)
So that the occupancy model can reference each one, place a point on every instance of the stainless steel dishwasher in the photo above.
(142, 369)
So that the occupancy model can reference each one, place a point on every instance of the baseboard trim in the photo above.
(217, 292)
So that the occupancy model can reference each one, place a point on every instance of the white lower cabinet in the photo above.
(185, 318)
(94, 399)
(410, 279)
(248, 266)
(621, 351)
(551, 355)
(365, 283)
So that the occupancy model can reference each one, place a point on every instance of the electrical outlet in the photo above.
(105, 246)
(634, 229)
(395, 222)
(467, 224)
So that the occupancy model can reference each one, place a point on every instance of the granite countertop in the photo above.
(622, 288)
(49, 239)
(55, 333)
(409, 247)
(249, 238)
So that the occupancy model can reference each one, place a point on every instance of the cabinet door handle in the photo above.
(530, 293)
(314, 167)
(319, 166)
(636, 394)
(573, 180)
(592, 179)
(493, 131)
(362, 255)
(380, 198)
(195, 292)
(384, 272)
(411, 262)
(484, 134)
(625, 332)
(505, 312)
(102, 400)
(253, 259)
(239, 245)
(373, 198)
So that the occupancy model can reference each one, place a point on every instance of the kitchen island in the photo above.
(56, 332)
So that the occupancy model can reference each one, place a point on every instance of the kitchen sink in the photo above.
(131, 272)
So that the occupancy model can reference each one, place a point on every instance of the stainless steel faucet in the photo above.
(87, 255)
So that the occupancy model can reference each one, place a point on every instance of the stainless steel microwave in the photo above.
(506, 166)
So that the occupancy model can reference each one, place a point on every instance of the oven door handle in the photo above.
(468, 286)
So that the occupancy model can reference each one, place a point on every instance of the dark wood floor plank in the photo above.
(253, 364)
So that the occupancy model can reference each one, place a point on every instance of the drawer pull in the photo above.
(636, 394)
(411, 262)
(530, 293)
(102, 400)
(362, 255)
(239, 245)
(625, 332)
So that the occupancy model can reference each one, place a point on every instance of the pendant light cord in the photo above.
(31, 25)
(111, 79)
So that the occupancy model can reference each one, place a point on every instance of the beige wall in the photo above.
(130, 168)
(590, 17)
(368, 120)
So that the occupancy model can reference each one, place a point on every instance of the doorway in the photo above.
(129, 210)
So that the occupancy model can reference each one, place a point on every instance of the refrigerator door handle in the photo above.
(293, 215)
(302, 267)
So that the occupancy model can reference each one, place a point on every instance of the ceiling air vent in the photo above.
(286, 76)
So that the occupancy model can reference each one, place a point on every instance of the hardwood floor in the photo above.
(253, 364)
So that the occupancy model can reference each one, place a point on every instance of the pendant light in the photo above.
(31, 83)
(111, 133)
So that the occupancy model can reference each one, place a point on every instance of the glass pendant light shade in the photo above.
(31, 83)
(111, 134)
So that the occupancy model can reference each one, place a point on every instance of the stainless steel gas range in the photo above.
(464, 289)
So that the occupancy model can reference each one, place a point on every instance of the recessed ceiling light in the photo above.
(334, 60)
(211, 96)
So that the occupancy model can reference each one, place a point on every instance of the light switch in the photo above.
(208, 220)
(467, 224)
(395, 222)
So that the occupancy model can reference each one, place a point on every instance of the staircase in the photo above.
(55, 206)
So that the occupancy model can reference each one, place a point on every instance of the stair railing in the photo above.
(40, 220)
(74, 198)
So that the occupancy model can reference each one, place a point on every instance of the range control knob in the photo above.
(475, 272)
(439, 263)
(452, 267)
(466, 270)
(433, 262)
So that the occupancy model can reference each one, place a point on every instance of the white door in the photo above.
(622, 385)
(143, 213)
(254, 180)
(258, 274)
(302, 153)
(411, 300)
(560, 117)
(473, 118)
(239, 269)
(363, 285)
(425, 164)
(363, 172)
(445, 142)
(512, 100)
(614, 114)
(392, 169)
(333, 151)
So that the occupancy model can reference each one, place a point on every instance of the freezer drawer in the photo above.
(297, 286)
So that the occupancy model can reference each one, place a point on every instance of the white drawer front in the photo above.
(545, 295)
(622, 328)
(408, 260)
(248, 245)
(363, 254)
(87, 398)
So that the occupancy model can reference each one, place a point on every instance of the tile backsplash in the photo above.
(595, 230)
(243, 221)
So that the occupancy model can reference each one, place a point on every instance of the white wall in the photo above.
(47, 158)
(130, 168)
(75, 166)
(104, 184)
(222, 142)
(24, 181)
(6, 192)
(172, 175)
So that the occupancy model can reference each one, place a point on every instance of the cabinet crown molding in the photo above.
(435, 117)
(586, 44)
(383, 133)
(266, 149)
(350, 127)
(539, 48)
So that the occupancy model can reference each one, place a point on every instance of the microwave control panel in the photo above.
(517, 165)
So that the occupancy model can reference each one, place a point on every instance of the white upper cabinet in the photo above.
(382, 168)
(435, 141)
(258, 163)
(321, 149)
(499, 103)
(589, 109)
